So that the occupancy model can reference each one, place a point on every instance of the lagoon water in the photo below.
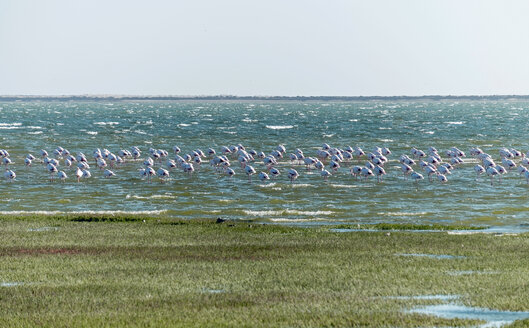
(26, 127)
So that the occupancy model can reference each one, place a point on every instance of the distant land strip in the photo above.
(10, 98)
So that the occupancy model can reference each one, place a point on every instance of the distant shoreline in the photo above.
(255, 98)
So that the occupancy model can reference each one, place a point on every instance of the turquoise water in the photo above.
(26, 127)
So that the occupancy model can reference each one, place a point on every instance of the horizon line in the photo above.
(248, 97)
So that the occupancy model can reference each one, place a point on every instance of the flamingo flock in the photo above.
(326, 160)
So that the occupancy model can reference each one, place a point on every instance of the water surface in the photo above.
(26, 127)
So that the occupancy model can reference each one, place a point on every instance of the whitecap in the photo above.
(279, 127)
(93, 133)
(182, 125)
(402, 213)
(302, 185)
(296, 220)
(455, 123)
(106, 123)
(151, 197)
(10, 124)
(342, 186)
(286, 212)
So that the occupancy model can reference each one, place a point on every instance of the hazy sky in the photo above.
(272, 47)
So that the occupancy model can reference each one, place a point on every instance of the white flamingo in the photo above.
(108, 174)
(379, 172)
(325, 174)
(163, 174)
(61, 175)
(10, 175)
(416, 176)
(263, 176)
(491, 172)
(249, 171)
(52, 169)
(292, 175)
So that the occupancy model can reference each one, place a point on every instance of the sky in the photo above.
(264, 48)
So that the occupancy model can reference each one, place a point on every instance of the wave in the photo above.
(402, 213)
(296, 220)
(106, 123)
(287, 212)
(151, 197)
(10, 124)
(279, 127)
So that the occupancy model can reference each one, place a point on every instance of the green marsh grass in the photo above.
(97, 271)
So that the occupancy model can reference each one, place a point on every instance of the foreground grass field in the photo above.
(97, 272)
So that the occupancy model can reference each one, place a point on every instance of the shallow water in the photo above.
(432, 256)
(81, 126)
(493, 318)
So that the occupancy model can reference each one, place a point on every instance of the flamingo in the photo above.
(52, 169)
(211, 152)
(274, 172)
(491, 171)
(356, 170)
(443, 170)
(149, 172)
(308, 161)
(416, 176)
(501, 170)
(406, 169)
(9, 175)
(79, 174)
(263, 176)
(292, 175)
(479, 170)
(325, 174)
(508, 163)
(162, 174)
(230, 172)
(188, 168)
(379, 172)
(101, 163)
(249, 171)
(61, 175)
(6, 161)
(430, 169)
(86, 174)
(108, 174)
(334, 166)
(135, 152)
(43, 153)
(366, 172)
